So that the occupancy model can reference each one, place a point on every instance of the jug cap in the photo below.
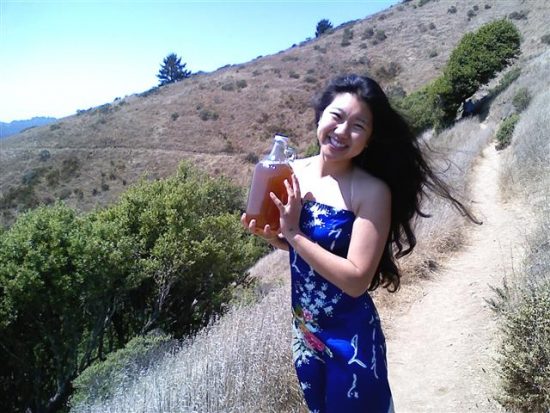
(281, 138)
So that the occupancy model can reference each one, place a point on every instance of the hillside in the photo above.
(16, 126)
(217, 120)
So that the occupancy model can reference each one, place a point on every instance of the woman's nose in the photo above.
(341, 128)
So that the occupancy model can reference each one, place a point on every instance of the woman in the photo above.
(348, 217)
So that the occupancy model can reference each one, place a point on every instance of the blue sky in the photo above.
(60, 56)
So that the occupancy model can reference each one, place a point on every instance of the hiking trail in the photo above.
(442, 350)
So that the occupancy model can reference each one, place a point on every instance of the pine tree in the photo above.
(172, 70)
(322, 27)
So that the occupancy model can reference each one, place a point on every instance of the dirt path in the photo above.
(442, 351)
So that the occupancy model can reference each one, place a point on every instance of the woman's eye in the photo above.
(335, 115)
(359, 126)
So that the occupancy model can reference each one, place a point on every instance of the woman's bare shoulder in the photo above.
(299, 165)
(369, 191)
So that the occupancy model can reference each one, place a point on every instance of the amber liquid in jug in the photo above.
(269, 176)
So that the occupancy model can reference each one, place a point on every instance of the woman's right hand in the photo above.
(273, 237)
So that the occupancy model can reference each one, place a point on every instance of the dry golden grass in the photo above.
(523, 302)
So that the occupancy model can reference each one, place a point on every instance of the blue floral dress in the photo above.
(338, 346)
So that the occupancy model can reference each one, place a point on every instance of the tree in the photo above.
(172, 70)
(477, 58)
(323, 26)
(475, 61)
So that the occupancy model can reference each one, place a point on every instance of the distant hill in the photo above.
(16, 126)
(221, 121)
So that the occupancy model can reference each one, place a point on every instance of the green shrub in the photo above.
(228, 87)
(346, 37)
(388, 72)
(58, 282)
(368, 33)
(52, 178)
(518, 15)
(174, 116)
(241, 83)
(508, 78)
(475, 60)
(525, 361)
(545, 39)
(506, 131)
(422, 108)
(99, 381)
(252, 158)
(521, 99)
(44, 155)
(207, 114)
(380, 35)
(75, 288)
(451, 10)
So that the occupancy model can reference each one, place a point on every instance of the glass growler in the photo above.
(269, 176)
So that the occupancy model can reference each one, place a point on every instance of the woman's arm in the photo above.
(352, 274)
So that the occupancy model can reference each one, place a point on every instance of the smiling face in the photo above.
(344, 128)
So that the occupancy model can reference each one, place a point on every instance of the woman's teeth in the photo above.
(335, 142)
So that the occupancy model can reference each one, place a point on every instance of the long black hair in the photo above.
(394, 156)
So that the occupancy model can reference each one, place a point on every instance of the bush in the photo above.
(44, 155)
(475, 60)
(508, 78)
(57, 280)
(380, 35)
(521, 99)
(418, 108)
(451, 10)
(505, 131)
(388, 72)
(74, 289)
(207, 114)
(228, 87)
(252, 158)
(545, 39)
(525, 361)
(518, 15)
(99, 381)
(368, 33)
(346, 37)
(241, 83)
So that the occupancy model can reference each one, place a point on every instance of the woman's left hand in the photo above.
(290, 212)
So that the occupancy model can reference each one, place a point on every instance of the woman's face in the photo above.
(344, 128)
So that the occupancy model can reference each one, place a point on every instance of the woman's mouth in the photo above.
(334, 141)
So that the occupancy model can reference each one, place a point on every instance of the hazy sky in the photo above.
(60, 56)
